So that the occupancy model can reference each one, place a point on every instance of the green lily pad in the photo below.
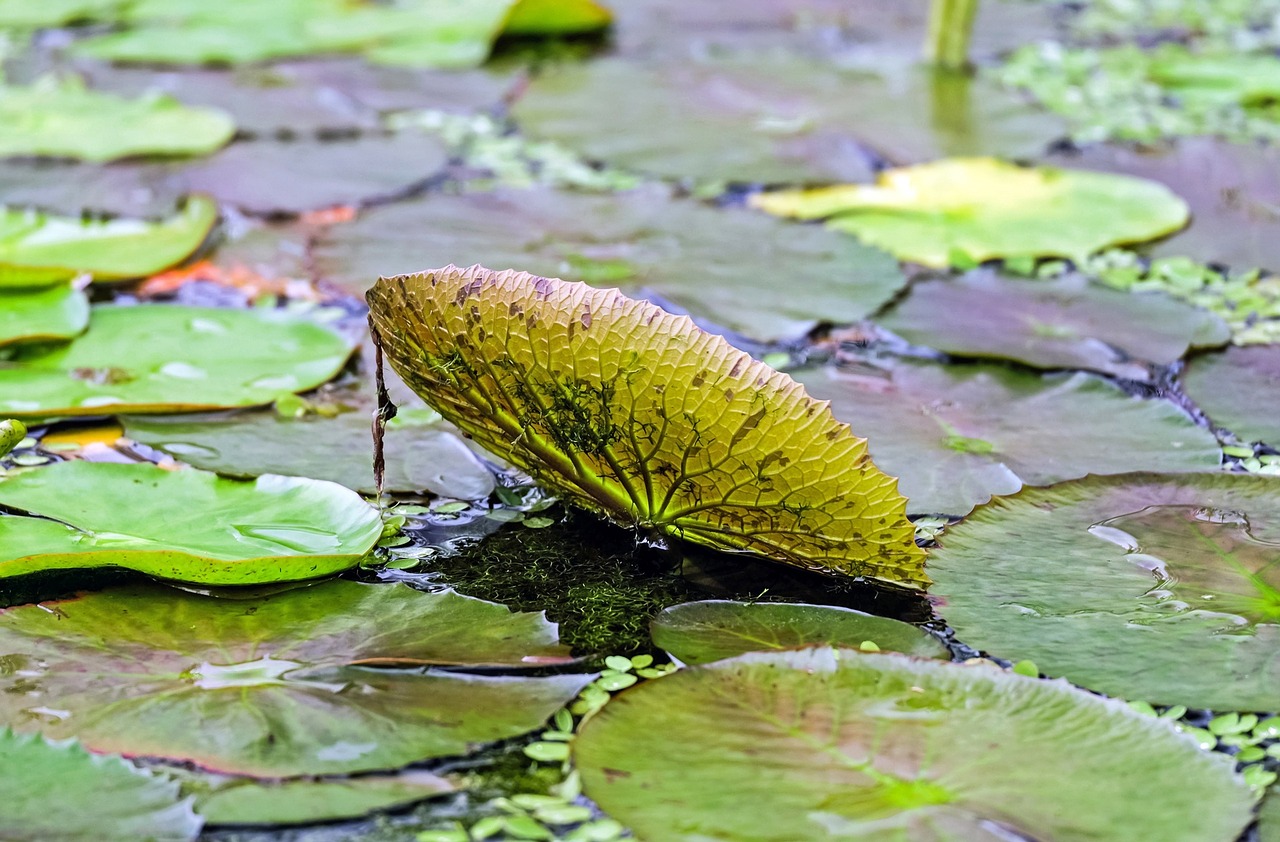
(1269, 816)
(244, 801)
(834, 744)
(1247, 79)
(721, 265)
(714, 629)
(63, 119)
(955, 435)
(637, 416)
(193, 358)
(189, 526)
(773, 116)
(1062, 323)
(60, 791)
(286, 178)
(1239, 389)
(420, 33)
(22, 14)
(1160, 588)
(38, 248)
(984, 209)
(423, 453)
(43, 314)
(292, 683)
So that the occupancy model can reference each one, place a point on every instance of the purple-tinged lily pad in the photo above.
(955, 435)
(836, 744)
(1239, 389)
(1160, 588)
(292, 683)
(1062, 323)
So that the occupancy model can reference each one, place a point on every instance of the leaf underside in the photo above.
(638, 415)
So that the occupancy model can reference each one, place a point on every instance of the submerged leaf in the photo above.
(63, 119)
(188, 526)
(42, 314)
(958, 434)
(275, 685)
(60, 791)
(985, 209)
(36, 248)
(834, 744)
(637, 415)
(1159, 588)
(713, 629)
(193, 358)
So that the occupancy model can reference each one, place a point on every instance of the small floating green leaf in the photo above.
(192, 358)
(42, 314)
(835, 744)
(187, 525)
(989, 209)
(710, 630)
(60, 791)
(639, 416)
(1159, 588)
(38, 248)
(293, 683)
(60, 118)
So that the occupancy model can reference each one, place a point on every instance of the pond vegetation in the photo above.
(845, 439)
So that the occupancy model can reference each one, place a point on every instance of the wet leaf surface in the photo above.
(38, 248)
(188, 526)
(1164, 589)
(639, 416)
(66, 187)
(773, 117)
(1239, 389)
(242, 801)
(193, 358)
(958, 434)
(1269, 817)
(711, 630)
(716, 264)
(424, 453)
(276, 683)
(42, 314)
(63, 119)
(828, 744)
(984, 209)
(60, 791)
(1061, 323)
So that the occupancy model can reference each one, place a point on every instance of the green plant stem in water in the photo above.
(950, 28)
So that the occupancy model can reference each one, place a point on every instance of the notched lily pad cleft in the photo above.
(639, 416)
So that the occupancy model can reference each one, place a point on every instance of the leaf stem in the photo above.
(950, 28)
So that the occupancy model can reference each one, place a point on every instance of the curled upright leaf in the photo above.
(639, 416)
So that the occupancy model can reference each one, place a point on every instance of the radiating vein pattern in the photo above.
(640, 416)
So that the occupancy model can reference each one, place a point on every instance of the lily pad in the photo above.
(958, 434)
(244, 801)
(833, 744)
(38, 248)
(63, 119)
(1153, 587)
(21, 14)
(72, 188)
(1240, 389)
(774, 117)
(721, 265)
(287, 178)
(424, 454)
(189, 526)
(43, 314)
(193, 358)
(1247, 79)
(984, 209)
(420, 33)
(278, 685)
(1269, 816)
(639, 416)
(1062, 323)
(60, 791)
(714, 629)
